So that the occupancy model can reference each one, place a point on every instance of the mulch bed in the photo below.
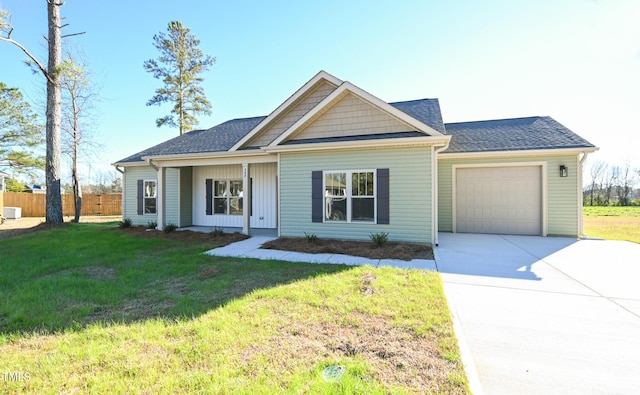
(187, 235)
(390, 250)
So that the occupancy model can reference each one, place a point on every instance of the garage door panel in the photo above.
(503, 200)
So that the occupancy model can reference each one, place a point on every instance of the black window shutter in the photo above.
(140, 197)
(209, 195)
(316, 196)
(383, 195)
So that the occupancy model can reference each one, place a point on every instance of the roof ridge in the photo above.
(501, 119)
(414, 100)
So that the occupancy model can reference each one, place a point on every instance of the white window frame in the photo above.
(349, 196)
(145, 197)
(227, 196)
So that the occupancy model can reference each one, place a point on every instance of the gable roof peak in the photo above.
(319, 77)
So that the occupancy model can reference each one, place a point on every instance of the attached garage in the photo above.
(499, 199)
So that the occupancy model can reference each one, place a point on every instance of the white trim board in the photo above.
(515, 154)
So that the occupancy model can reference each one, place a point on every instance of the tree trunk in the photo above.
(54, 115)
(77, 188)
(77, 194)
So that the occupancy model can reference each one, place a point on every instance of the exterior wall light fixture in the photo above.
(564, 172)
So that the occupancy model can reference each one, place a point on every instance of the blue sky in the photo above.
(577, 61)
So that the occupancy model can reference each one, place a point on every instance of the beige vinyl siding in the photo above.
(186, 196)
(562, 192)
(130, 204)
(351, 116)
(284, 121)
(409, 192)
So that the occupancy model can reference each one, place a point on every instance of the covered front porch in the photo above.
(225, 194)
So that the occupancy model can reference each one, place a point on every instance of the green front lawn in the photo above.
(612, 222)
(90, 309)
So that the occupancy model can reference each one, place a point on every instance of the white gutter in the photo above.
(358, 144)
(517, 153)
(206, 155)
(434, 189)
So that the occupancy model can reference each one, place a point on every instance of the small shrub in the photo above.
(168, 228)
(311, 237)
(126, 223)
(379, 239)
(217, 232)
(152, 225)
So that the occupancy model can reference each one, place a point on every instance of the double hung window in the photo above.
(227, 198)
(150, 196)
(350, 196)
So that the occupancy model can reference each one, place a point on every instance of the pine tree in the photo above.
(179, 66)
(20, 132)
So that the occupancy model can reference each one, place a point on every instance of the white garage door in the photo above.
(501, 200)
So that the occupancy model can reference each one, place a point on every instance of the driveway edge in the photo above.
(470, 370)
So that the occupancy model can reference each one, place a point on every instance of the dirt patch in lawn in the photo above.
(390, 250)
(398, 356)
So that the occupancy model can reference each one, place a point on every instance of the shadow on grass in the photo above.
(68, 278)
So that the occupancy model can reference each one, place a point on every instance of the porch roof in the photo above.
(216, 139)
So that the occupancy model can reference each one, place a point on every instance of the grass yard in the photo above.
(90, 309)
(615, 223)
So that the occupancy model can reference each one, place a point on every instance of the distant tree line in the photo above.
(612, 185)
(101, 183)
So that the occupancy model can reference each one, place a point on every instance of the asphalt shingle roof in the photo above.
(481, 136)
(219, 138)
(516, 134)
(426, 111)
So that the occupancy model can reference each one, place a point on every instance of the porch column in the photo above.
(160, 197)
(246, 199)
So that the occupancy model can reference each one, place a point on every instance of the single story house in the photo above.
(338, 162)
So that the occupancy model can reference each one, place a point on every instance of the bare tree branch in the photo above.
(33, 58)
(72, 34)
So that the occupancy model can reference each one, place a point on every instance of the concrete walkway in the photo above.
(546, 315)
(250, 248)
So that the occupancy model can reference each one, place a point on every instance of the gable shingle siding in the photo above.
(282, 123)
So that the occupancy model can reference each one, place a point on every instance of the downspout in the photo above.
(122, 197)
(434, 188)
(150, 163)
(581, 234)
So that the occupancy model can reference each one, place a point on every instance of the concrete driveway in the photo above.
(545, 315)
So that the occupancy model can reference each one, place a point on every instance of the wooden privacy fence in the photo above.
(34, 204)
